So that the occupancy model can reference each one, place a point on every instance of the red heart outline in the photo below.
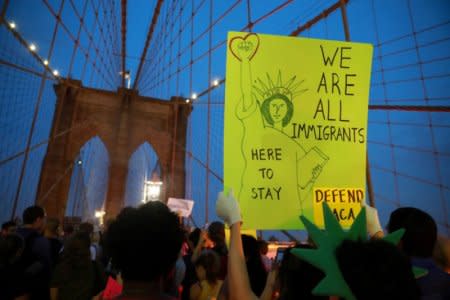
(244, 38)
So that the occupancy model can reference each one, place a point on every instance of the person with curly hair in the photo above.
(144, 244)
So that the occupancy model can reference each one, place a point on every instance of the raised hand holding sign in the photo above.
(227, 208)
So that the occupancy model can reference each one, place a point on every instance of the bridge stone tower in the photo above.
(123, 120)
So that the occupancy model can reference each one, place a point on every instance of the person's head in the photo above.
(34, 217)
(263, 247)
(250, 246)
(144, 242)
(277, 109)
(76, 251)
(420, 231)
(207, 266)
(216, 233)
(8, 228)
(86, 227)
(255, 266)
(194, 237)
(297, 278)
(68, 230)
(376, 270)
(52, 228)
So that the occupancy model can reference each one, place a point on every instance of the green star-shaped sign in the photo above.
(327, 241)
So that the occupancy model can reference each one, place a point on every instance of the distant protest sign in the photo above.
(295, 127)
(183, 207)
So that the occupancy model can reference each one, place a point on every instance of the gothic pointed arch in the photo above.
(89, 181)
(123, 120)
(144, 165)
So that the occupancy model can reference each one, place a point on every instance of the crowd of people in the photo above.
(145, 253)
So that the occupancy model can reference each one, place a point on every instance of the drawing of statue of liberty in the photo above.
(265, 109)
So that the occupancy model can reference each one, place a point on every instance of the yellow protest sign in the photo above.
(345, 203)
(295, 119)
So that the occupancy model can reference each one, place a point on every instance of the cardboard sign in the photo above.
(345, 204)
(295, 120)
(181, 206)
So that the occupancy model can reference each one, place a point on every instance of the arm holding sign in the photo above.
(200, 245)
(374, 228)
(228, 210)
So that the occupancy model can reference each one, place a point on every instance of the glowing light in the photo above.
(79, 162)
(194, 96)
(216, 82)
(12, 25)
(56, 73)
(45, 62)
(187, 100)
(152, 191)
(32, 47)
(99, 213)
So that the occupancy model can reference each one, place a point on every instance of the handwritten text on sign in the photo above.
(345, 204)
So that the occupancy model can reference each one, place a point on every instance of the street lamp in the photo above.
(152, 189)
(99, 215)
(127, 76)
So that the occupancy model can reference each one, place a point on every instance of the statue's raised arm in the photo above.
(244, 49)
